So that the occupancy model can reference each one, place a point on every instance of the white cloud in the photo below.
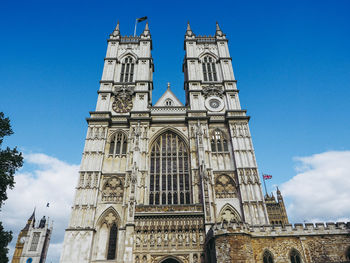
(321, 189)
(42, 179)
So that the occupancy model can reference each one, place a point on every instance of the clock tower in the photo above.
(33, 242)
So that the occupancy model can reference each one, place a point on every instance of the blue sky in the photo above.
(291, 60)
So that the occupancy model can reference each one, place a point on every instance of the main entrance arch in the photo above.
(170, 260)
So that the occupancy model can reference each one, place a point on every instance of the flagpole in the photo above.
(135, 27)
(264, 183)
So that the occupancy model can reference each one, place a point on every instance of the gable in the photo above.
(168, 99)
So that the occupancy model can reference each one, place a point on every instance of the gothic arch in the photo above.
(169, 169)
(125, 55)
(229, 214)
(102, 218)
(208, 53)
(295, 256)
(110, 149)
(170, 259)
(164, 130)
(113, 133)
(267, 256)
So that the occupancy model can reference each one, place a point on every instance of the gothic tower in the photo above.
(154, 179)
(33, 242)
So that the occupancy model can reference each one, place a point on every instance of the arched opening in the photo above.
(295, 256)
(170, 260)
(347, 255)
(267, 257)
(169, 171)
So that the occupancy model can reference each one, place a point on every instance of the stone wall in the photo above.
(318, 243)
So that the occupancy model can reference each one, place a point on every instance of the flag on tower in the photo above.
(141, 19)
(267, 176)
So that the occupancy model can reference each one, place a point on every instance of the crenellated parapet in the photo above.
(306, 229)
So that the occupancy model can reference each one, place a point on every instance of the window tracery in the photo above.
(209, 69)
(113, 190)
(118, 145)
(267, 257)
(169, 171)
(218, 142)
(225, 187)
(229, 214)
(295, 256)
(127, 70)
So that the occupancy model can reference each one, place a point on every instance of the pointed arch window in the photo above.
(225, 187)
(267, 257)
(112, 242)
(295, 256)
(209, 69)
(127, 70)
(169, 171)
(219, 142)
(118, 145)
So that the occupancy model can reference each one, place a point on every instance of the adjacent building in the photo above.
(33, 242)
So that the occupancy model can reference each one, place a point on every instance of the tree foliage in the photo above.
(10, 161)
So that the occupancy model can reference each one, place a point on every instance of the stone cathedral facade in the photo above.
(168, 182)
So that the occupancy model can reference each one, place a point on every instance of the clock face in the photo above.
(22, 240)
(214, 103)
(122, 105)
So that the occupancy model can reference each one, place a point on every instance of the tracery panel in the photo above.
(169, 171)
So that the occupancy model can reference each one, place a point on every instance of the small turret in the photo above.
(30, 221)
(42, 222)
(146, 31)
(189, 32)
(116, 32)
(218, 30)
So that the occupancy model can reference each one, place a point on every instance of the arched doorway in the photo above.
(170, 260)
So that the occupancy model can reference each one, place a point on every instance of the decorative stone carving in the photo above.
(113, 190)
(213, 91)
(225, 187)
(228, 214)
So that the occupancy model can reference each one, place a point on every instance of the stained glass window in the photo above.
(169, 171)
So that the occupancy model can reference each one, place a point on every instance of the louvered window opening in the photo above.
(112, 243)
(118, 145)
(209, 69)
(218, 142)
(169, 171)
(35, 241)
(127, 70)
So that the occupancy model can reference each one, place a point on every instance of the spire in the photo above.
(189, 30)
(146, 31)
(31, 221)
(218, 30)
(116, 31)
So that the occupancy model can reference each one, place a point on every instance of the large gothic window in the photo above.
(112, 243)
(169, 171)
(127, 70)
(118, 145)
(295, 256)
(267, 257)
(209, 69)
(218, 142)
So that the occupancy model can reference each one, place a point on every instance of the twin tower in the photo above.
(155, 178)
